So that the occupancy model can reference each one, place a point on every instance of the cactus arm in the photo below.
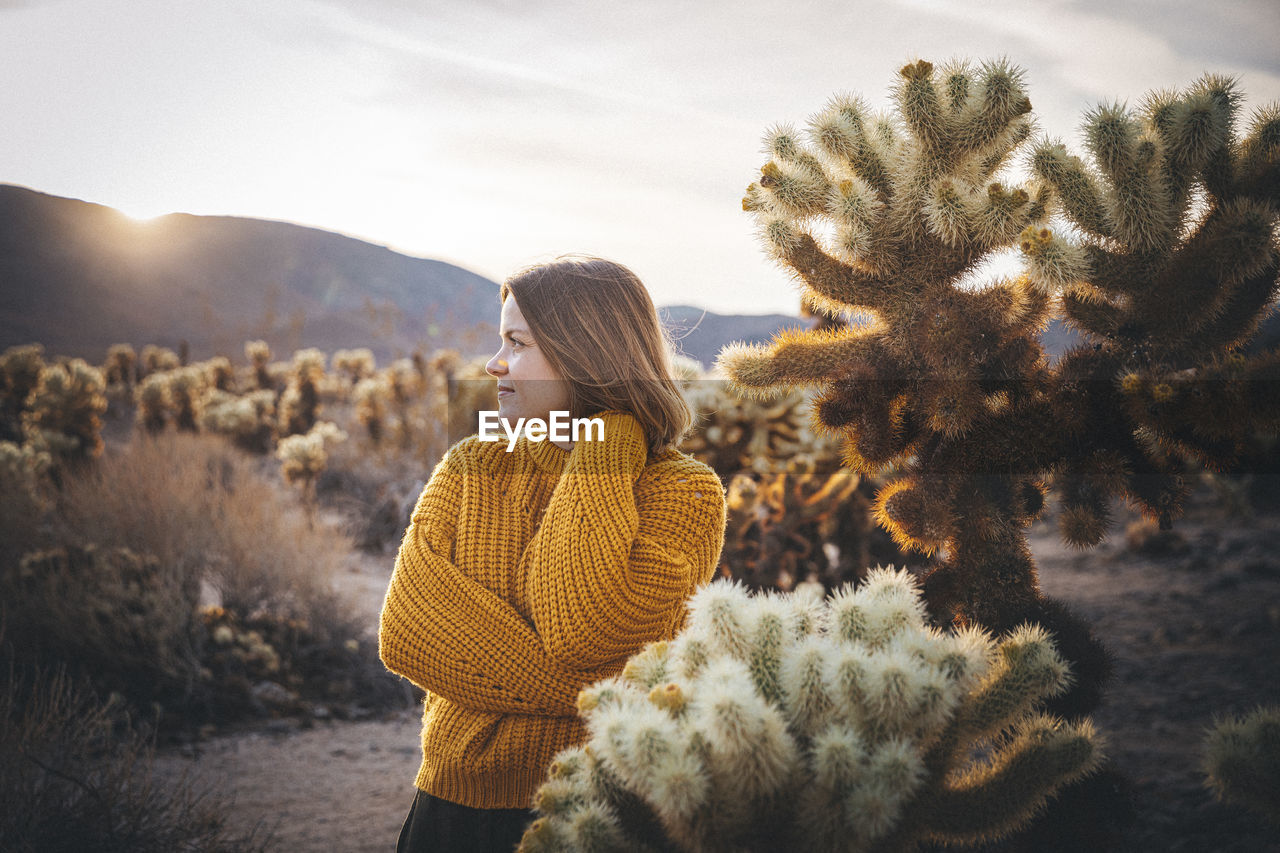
(616, 553)
(991, 800)
(452, 636)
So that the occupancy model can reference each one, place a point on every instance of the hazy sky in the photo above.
(498, 133)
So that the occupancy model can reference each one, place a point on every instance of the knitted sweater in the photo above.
(526, 575)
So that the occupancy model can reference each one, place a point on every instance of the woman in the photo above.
(530, 572)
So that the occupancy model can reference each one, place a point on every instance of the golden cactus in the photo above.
(888, 217)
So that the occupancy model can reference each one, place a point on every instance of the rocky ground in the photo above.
(1192, 618)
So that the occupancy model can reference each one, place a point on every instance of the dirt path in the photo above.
(1195, 633)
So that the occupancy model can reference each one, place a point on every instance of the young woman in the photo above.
(528, 573)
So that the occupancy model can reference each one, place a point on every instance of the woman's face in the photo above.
(528, 386)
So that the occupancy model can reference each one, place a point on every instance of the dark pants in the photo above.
(434, 824)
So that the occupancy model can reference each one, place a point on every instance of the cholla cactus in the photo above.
(249, 420)
(259, 356)
(471, 391)
(24, 484)
(371, 405)
(300, 402)
(357, 364)
(152, 398)
(801, 525)
(789, 722)
(187, 386)
(733, 435)
(948, 380)
(63, 411)
(122, 362)
(156, 359)
(304, 457)
(219, 373)
(1242, 761)
(20, 368)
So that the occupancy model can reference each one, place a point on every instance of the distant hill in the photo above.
(78, 277)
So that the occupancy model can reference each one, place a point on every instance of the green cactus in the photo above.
(948, 379)
(793, 722)
(1242, 761)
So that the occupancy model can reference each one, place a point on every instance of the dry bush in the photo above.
(74, 777)
(198, 506)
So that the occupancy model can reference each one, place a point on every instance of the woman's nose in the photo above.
(497, 366)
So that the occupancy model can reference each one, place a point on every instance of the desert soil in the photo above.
(1195, 631)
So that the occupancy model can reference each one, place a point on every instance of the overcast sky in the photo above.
(498, 133)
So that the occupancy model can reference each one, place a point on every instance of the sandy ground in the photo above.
(1195, 634)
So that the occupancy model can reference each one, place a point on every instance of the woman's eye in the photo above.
(517, 343)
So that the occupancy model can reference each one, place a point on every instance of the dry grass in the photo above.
(204, 511)
(74, 776)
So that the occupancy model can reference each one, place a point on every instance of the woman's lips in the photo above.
(503, 391)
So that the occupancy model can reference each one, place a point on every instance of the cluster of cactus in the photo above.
(792, 722)
(470, 391)
(1242, 761)
(733, 435)
(794, 514)
(798, 524)
(63, 411)
(1170, 261)
(248, 420)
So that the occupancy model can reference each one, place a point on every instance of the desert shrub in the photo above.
(74, 776)
(201, 512)
(1242, 761)
(785, 722)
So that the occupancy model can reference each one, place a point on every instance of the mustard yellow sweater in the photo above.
(525, 576)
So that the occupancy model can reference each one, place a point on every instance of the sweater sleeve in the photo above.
(617, 553)
(454, 637)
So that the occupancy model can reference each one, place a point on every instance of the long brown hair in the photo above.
(596, 325)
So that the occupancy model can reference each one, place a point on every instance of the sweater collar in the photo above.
(546, 455)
